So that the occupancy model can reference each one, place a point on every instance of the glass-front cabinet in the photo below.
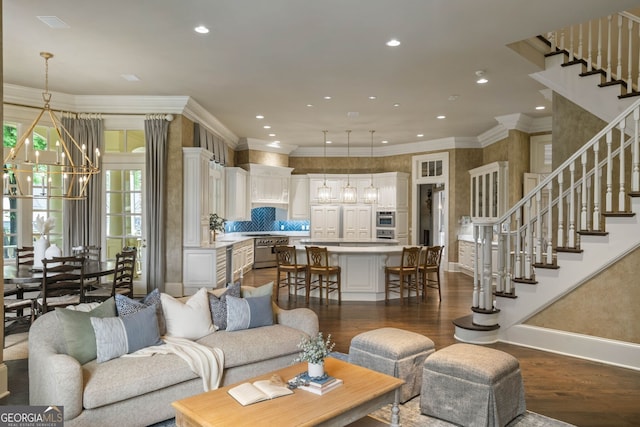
(489, 190)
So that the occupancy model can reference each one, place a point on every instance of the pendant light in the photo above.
(324, 191)
(349, 193)
(371, 192)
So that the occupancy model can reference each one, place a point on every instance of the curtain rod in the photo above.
(168, 117)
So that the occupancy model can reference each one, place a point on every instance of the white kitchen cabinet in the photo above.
(489, 190)
(237, 200)
(466, 256)
(325, 221)
(393, 190)
(356, 221)
(196, 196)
(242, 258)
(221, 267)
(402, 227)
(299, 197)
(201, 269)
(269, 185)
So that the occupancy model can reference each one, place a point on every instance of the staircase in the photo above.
(579, 220)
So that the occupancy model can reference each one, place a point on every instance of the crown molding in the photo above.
(261, 145)
(194, 111)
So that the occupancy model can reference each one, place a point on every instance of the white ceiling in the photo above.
(275, 57)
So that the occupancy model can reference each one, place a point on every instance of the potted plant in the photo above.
(216, 223)
(313, 351)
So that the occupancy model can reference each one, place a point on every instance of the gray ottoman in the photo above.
(393, 352)
(472, 385)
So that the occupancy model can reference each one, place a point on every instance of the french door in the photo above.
(124, 220)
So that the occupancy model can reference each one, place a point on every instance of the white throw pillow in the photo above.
(191, 320)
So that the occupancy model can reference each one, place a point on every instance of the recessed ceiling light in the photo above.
(481, 78)
(396, 105)
(329, 142)
(259, 117)
(272, 134)
(420, 135)
(201, 29)
(482, 81)
(372, 97)
(266, 127)
(540, 107)
(454, 97)
(393, 43)
(327, 98)
(441, 116)
(384, 141)
(309, 105)
(130, 77)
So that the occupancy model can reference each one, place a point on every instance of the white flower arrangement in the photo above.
(44, 226)
(315, 349)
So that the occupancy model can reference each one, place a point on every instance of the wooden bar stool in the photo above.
(328, 275)
(397, 278)
(431, 266)
(294, 274)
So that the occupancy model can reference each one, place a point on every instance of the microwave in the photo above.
(385, 219)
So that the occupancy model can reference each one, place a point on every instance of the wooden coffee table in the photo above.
(363, 392)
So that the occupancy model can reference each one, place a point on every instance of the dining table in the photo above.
(28, 277)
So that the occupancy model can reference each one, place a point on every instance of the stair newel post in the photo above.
(518, 237)
(538, 227)
(609, 65)
(608, 200)
(622, 191)
(560, 242)
(571, 243)
(589, 59)
(596, 187)
(585, 191)
(528, 247)
(619, 59)
(500, 261)
(507, 255)
(486, 285)
(549, 223)
(635, 181)
(476, 292)
(630, 57)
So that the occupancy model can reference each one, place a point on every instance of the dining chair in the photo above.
(428, 267)
(121, 281)
(62, 282)
(328, 276)
(17, 310)
(24, 255)
(91, 252)
(294, 273)
(398, 278)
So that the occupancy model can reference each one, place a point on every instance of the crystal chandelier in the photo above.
(324, 192)
(63, 173)
(349, 193)
(371, 192)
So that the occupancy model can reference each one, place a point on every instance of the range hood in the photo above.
(269, 185)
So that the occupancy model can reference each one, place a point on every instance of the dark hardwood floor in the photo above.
(576, 391)
(580, 392)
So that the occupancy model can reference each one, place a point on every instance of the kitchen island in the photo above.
(362, 269)
(348, 242)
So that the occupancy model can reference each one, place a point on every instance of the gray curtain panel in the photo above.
(156, 131)
(82, 225)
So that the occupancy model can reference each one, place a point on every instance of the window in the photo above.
(431, 168)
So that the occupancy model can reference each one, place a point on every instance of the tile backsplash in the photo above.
(266, 219)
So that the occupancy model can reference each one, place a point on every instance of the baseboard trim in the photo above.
(603, 350)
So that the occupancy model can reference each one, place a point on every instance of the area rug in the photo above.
(410, 416)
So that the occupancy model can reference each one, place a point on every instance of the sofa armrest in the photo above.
(303, 319)
(54, 377)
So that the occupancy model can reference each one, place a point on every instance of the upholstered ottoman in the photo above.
(472, 385)
(393, 352)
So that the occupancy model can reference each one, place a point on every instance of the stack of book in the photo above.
(316, 385)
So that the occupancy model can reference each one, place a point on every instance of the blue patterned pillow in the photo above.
(116, 336)
(126, 306)
(218, 305)
(247, 313)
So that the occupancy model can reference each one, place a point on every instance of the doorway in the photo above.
(431, 216)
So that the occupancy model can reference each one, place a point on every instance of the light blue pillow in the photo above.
(116, 336)
(247, 313)
(250, 291)
(218, 305)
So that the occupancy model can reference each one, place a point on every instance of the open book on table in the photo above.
(248, 393)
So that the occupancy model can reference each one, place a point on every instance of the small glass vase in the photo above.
(212, 236)
(315, 370)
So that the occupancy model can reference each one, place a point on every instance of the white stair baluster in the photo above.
(539, 227)
(585, 191)
(549, 233)
(630, 57)
(571, 243)
(619, 63)
(518, 237)
(528, 243)
(609, 191)
(635, 177)
(599, 56)
(476, 291)
(596, 188)
(609, 64)
(622, 191)
(560, 242)
(589, 58)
